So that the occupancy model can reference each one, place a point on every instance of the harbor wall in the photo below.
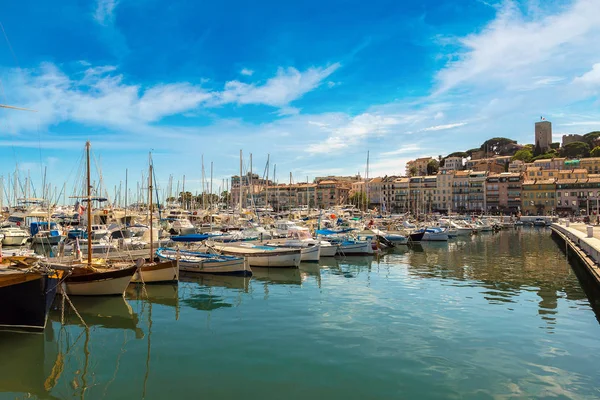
(586, 248)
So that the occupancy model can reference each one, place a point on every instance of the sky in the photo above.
(313, 85)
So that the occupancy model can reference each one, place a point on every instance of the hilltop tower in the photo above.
(543, 134)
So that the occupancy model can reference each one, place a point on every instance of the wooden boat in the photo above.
(192, 261)
(89, 281)
(164, 271)
(260, 256)
(26, 297)
(309, 251)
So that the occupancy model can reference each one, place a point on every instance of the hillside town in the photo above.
(502, 177)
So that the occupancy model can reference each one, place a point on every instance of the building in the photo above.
(503, 193)
(533, 173)
(488, 165)
(566, 139)
(543, 135)
(418, 167)
(453, 164)
(538, 197)
(460, 191)
(401, 194)
(476, 195)
(592, 164)
(516, 167)
(551, 163)
(429, 193)
(332, 193)
(444, 190)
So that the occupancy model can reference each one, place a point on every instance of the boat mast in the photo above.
(240, 185)
(89, 204)
(150, 205)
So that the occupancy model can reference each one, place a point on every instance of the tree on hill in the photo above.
(524, 155)
(471, 151)
(595, 152)
(576, 150)
(555, 145)
(496, 145)
(412, 171)
(590, 137)
(461, 154)
(433, 167)
(530, 147)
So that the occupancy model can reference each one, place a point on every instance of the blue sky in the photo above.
(315, 84)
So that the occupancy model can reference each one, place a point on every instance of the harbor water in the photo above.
(499, 315)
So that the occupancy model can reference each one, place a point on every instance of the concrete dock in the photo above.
(584, 241)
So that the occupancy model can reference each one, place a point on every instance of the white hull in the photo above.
(14, 240)
(105, 287)
(197, 264)
(311, 253)
(464, 231)
(217, 267)
(275, 261)
(328, 250)
(166, 274)
(356, 248)
(435, 237)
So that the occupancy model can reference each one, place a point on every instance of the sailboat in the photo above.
(99, 279)
(163, 270)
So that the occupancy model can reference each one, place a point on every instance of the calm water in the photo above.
(496, 316)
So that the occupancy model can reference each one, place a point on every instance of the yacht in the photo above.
(14, 236)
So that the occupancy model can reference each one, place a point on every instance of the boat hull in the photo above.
(110, 283)
(14, 240)
(207, 264)
(328, 251)
(164, 271)
(355, 249)
(257, 257)
(311, 253)
(26, 302)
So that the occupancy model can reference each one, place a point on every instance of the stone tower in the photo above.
(543, 135)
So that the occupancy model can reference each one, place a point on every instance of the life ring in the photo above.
(105, 212)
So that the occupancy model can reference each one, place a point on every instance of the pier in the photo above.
(584, 241)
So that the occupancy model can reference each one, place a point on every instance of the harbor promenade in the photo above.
(584, 240)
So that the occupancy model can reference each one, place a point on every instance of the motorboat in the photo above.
(206, 263)
(260, 255)
(14, 236)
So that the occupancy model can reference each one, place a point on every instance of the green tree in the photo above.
(496, 145)
(595, 152)
(576, 150)
(461, 154)
(590, 137)
(524, 155)
(359, 199)
(555, 145)
(412, 171)
(433, 167)
(225, 197)
(471, 151)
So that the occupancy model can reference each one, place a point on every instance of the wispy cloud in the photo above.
(105, 11)
(411, 148)
(444, 127)
(515, 46)
(247, 72)
(99, 96)
(287, 85)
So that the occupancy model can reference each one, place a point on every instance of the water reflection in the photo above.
(504, 265)
(28, 361)
(241, 283)
(109, 312)
(285, 276)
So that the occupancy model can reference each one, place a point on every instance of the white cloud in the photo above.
(247, 72)
(591, 77)
(411, 148)
(443, 127)
(288, 85)
(99, 96)
(105, 11)
(515, 47)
